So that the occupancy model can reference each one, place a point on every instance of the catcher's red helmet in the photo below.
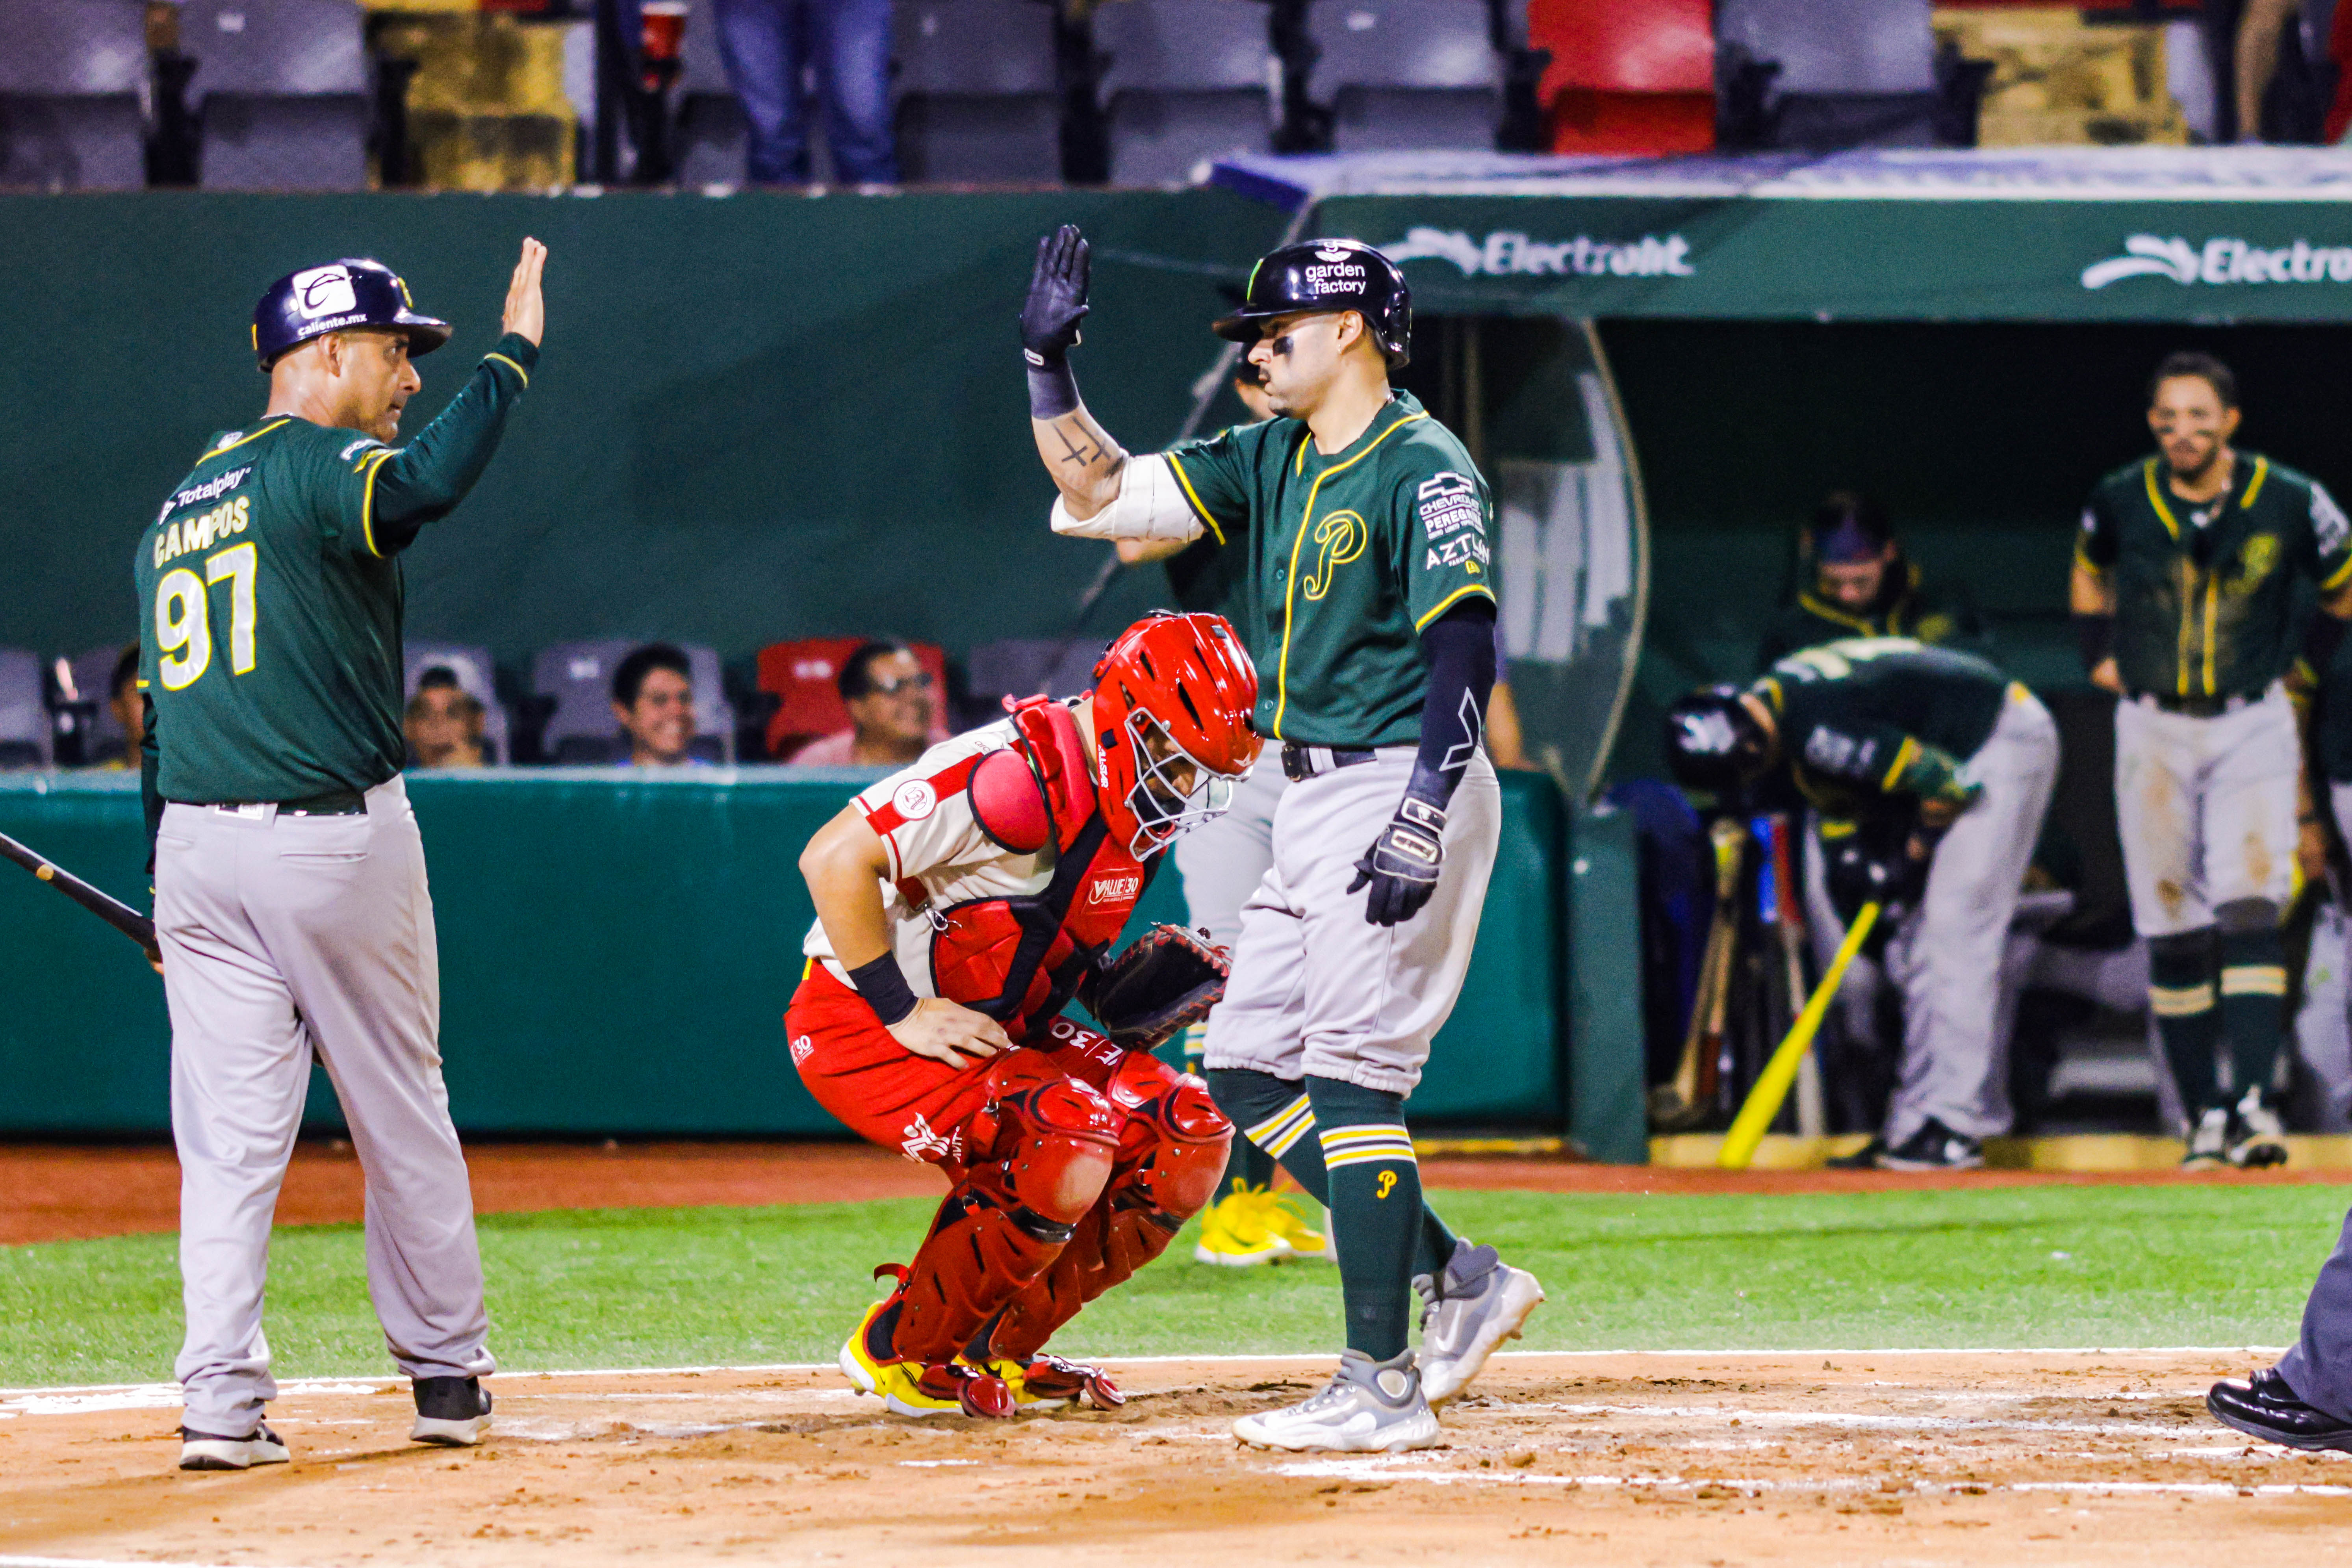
(1173, 696)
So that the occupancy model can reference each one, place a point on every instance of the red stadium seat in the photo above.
(1627, 76)
(803, 675)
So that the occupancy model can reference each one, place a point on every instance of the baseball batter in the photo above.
(290, 902)
(1931, 771)
(1359, 528)
(2184, 596)
(1221, 863)
(961, 903)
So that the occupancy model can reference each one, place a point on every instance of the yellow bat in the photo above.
(1748, 1127)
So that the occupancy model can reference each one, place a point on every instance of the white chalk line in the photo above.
(170, 1392)
(1405, 1469)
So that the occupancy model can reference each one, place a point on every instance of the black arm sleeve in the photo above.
(1460, 648)
(423, 481)
(151, 758)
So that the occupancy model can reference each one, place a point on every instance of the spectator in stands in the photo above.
(1864, 587)
(653, 698)
(1506, 743)
(2263, 26)
(444, 722)
(129, 708)
(891, 705)
(766, 43)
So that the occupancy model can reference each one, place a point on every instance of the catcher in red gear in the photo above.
(962, 904)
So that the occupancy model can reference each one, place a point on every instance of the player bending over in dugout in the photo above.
(2184, 595)
(962, 904)
(1931, 770)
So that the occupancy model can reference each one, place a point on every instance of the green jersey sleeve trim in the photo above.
(1176, 467)
(1447, 602)
(517, 368)
(373, 462)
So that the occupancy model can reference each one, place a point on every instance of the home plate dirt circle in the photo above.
(2025, 1457)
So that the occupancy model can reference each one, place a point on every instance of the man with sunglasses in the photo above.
(1359, 527)
(893, 712)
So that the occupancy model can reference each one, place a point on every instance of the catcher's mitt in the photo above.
(1168, 977)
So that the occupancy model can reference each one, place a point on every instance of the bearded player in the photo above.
(1359, 527)
(962, 904)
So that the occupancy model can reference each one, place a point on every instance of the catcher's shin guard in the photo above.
(1171, 1151)
(1040, 1151)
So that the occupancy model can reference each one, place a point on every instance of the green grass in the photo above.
(2112, 1266)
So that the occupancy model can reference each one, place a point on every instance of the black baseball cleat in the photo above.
(2265, 1406)
(451, 1412)
(209, 1451)
(1935, 1147)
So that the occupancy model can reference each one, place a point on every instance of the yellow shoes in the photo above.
(1287, 1214)
(1254, 1225)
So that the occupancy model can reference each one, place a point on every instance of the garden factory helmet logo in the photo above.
(1508, 253)
(2226, 260)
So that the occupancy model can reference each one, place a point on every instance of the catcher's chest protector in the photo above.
(1019, 959)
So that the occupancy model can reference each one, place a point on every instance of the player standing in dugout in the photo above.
(2183, 595)
(290, 901)
(1361, 525)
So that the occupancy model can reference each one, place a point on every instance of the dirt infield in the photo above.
(62, 1193)
(2010, 1457)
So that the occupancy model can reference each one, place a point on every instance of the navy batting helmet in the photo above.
(1714, 742)
(1327, 275)
(352, 292)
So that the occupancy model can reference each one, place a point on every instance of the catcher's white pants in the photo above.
(1224, 858)
(284, 938)
(1316, 988)
(2207, 810)
(1948, 957)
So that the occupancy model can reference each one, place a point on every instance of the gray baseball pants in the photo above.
(287, 937)
(1224, 858)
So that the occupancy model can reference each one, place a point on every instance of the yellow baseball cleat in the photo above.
(1286, 1217)
(1235, 1232)
(910, 1388)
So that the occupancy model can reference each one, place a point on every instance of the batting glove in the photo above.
(1400, 867)
(1057, 298)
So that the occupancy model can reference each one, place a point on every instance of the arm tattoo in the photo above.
(1079, 452)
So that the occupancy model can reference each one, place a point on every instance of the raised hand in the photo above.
(1057, 297)
(526, 312)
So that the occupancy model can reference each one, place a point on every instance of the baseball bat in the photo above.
(1748, 1127)
(112, 910)
(1678, 1104)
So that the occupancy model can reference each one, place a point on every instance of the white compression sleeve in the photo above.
(1150, 505)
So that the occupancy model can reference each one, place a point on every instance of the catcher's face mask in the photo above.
(1174, 793)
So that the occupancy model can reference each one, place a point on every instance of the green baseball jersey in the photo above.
(1915, 610)
(270, 596)
(1341, 562)
(2205, 593)
(1868, 717)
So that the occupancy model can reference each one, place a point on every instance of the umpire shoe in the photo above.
(1367, 1407)
(204, 1451)
(451, 1412)
(1466, 1313)
(1935, 1147)
(2257, 1137)
(2208, 1143)
(2265, 1406)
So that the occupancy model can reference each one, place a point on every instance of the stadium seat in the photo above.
(1407, 73)
(476, 678)
(72, 74)
(582, 729)
(1186, 82)
(712, 132)
(978, 100)
(1627, 76)
(804, 675)
(1825, 74)
(282, 92)
(24, 738)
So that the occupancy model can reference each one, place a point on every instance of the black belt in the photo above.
(2197, 707)
(333, 803)
(1297, 766)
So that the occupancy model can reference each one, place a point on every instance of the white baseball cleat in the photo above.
(206, 1451)
(1369, 1407)
(1474, 1305)
(451, 1412)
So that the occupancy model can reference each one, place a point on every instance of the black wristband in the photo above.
(2320, 641)
(884, 986)
(1053, 390)
(2096, 634)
